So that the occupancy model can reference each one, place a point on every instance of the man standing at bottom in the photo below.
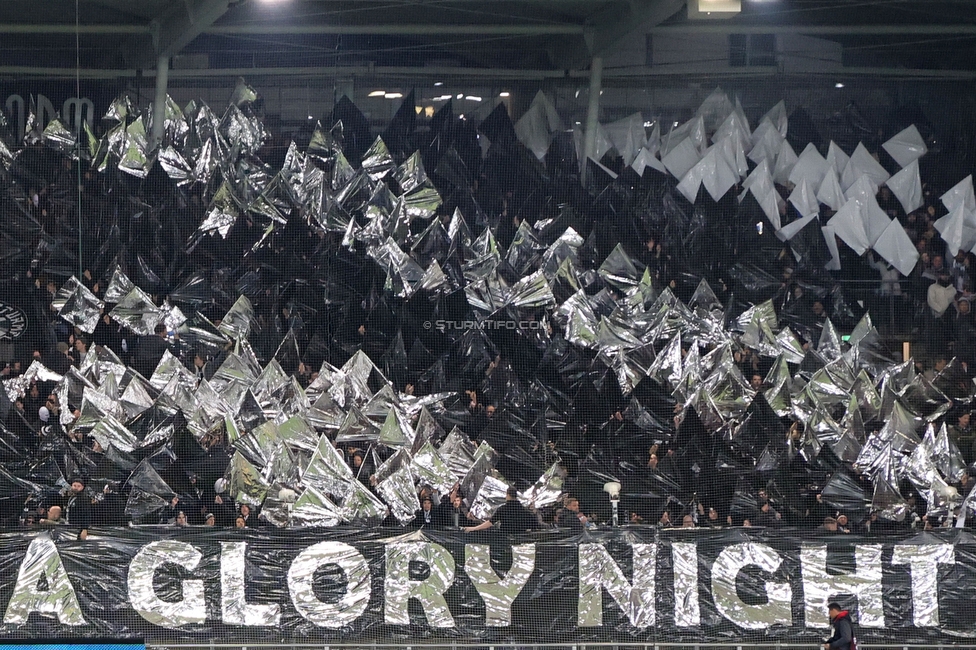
(841, 628)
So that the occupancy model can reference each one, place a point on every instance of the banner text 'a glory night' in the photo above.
(623, 584)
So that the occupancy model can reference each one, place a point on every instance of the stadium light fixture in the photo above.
(713, 9)
(504, 93)
(378, 93)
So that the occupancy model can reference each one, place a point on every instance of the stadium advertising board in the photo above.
(633, 584)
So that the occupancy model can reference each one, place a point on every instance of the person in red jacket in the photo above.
(841, 628)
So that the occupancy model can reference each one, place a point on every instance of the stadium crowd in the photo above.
(933, 303)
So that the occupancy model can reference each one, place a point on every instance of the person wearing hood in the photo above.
(223, 505)
(78, 507)
(841, 628)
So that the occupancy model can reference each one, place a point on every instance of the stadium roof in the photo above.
(116, 38)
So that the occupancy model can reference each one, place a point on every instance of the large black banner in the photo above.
(634, 584)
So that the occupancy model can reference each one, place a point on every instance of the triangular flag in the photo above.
(759, 181)
(906, 147)
(897, 248)
(680, 159)
(691, 183)
(693, 129)
(716, 173)
(958, 229)
(960, 194)
(804, 199)
(535, 128)
(647, 159)
(810, 166)
(836, 158)
(769, 203)
(777, 115)
(628, 136)
(830, 193)
(766, 143)
(785, 160)
(906, 185)
(848, 224)
(862, 162)
(862, 190)
(790, 230)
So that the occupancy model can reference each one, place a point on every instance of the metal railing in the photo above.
(410, 645)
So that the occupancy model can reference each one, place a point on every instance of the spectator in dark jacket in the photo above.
(251, 520)
(78, 507)
(450, 513)
(570, 516)
(512, 517)
(424, 518)
(842, 630)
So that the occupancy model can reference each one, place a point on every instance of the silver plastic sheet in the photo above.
(397, 489)
(924, 562)
(377, 162)
(687, 612)
(356, 575)
(315, 509)
(36, 371)
(598, 571)
(245, 483)
(190, 609)
(546, 490)
(429, 467)
(821, 586)
(778, 595)
(499, 592)
(489, 498)
(77, 305)
(237, 321)
(137, 312)
(58, 599)
(235, 610)
(362, 507)
(399, 587)
(456, 450)
(134, 145)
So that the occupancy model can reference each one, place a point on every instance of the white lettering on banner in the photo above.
(355, 570)
(400, 587)
(42, 559)
(820, 587)
(686, 609)
(45, 111)
(75, 112)
(233, 603)
(725, 571)
(142, 572)
(43, 585)
(18, 101)
(924, 561)
(598, 571)
(498, 593)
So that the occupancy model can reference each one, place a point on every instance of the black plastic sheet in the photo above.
(637, 584)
